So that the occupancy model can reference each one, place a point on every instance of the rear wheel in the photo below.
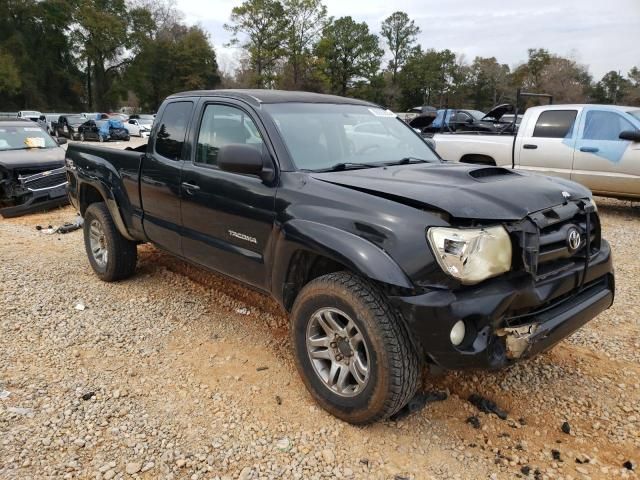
(111, 256)
(352, 349)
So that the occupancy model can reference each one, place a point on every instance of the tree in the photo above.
(612, 88)
(566, 80)
(265, 27)
(529, 75)
(401, 35)
(489, 82)
(37, 68)
(9, 74)
(633, 94)
(306, 20)
(432, 78)
(101, 36)
(348, 52)
(176, 58)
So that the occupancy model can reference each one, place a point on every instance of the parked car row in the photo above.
(88, 125)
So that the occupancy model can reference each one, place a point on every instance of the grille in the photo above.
(47, 179)
(546, 245)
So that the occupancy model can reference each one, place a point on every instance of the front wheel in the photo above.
(111, 256)
(352, 350)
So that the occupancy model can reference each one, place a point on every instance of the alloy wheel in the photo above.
(338, 352)
(98, 243)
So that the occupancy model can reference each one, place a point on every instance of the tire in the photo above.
(121, 254)
(393, 365)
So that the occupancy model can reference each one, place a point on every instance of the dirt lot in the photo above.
(179, 373)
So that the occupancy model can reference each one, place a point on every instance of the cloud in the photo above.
(602, 35)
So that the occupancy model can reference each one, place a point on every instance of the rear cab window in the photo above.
(172, 130)
(555, 124)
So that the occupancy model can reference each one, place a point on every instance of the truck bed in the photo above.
(475, 147)
(114, 172)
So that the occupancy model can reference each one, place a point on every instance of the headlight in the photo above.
(471, 255)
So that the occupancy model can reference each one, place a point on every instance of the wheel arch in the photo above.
(92, 193)
(306, 250)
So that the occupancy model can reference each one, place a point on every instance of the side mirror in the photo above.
(240, 158)
(633, 135)
(61, 140)
(469, 121)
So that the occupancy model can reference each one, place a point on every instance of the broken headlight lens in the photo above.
(471, 254)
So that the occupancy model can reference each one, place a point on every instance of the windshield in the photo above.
(147, 122)
(635, 113)
(22, 138)
(477, 114)
(320, 136)
(76, 119)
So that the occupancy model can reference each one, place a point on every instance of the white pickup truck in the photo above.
(596, 145)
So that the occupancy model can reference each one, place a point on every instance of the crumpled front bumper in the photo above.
(510, 317)
(38, 192)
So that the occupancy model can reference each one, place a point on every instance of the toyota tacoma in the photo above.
(384, 256)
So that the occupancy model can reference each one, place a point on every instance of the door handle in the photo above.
(529, 146)
(589, 149)
(190, 188)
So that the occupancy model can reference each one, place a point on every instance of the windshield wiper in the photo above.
(406, 161)
(338, 167)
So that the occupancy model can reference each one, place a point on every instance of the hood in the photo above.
(423, 121)
(463, 191)
(32, 158)
(498, 111)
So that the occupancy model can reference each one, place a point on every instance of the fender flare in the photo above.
(354, 252)
(110, 201)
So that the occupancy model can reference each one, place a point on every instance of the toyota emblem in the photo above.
(573, 239)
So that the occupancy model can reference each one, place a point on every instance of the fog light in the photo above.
(457, 333)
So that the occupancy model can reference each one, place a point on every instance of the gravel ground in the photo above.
(179, 373)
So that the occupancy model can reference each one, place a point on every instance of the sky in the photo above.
(603, 35)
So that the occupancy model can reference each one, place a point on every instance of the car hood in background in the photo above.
(32, 158)
(423, 120)
(463, 191)
(498, 111)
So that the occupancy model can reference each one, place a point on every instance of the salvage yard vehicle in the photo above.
(32, 174)
(384, 256)
(595, 145)
(456, 120)
(67, 126)
(32, 115)
(139, 127)
(102, 131)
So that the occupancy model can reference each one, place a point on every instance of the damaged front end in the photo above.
(27, 190)
(561, 278)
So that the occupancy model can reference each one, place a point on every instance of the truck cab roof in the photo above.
(571, 106)
(260, 96)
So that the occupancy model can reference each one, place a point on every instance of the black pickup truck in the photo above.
(385, 256)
